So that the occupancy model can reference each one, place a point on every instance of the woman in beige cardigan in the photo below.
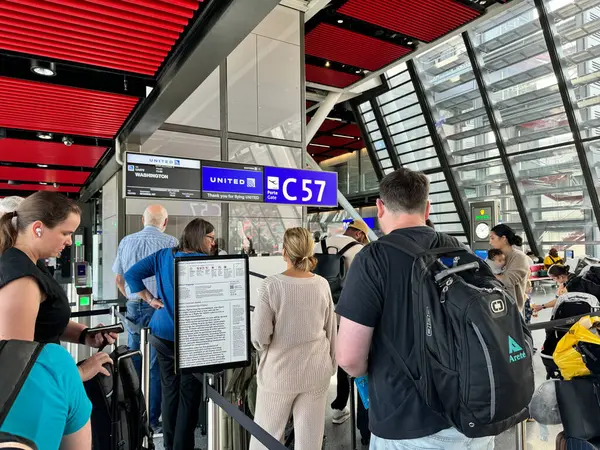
(294, 328)
(516, 269)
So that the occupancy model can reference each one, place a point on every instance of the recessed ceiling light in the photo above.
(44, 136)
(43, 68)
(358, 71)
(340, 21)
(409, 43)
(67, 140)
(327, 63)
(42, 165)
(43, 182)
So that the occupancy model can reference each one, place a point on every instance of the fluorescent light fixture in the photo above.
(343, 136)
(334, 118)
(42, 165)
(44, 136)
(321, 145)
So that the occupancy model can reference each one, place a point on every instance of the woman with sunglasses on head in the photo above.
(181, 393)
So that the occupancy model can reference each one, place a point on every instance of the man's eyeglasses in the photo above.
(212, 238)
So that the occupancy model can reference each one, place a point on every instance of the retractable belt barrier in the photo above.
(96, 312)
(248, 424)
(559, 323)
(257, 275)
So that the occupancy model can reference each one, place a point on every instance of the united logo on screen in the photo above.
(251, 182)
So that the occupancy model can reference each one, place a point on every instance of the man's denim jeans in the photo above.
(140, 314)
(450, 439)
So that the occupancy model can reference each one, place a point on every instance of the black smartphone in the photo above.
(116, 328)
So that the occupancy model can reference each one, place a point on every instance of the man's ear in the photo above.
(380, 208)
(427, 210)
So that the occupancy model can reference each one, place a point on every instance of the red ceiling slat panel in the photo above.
(329, 77)
(356, 145)
(38, 187)
(332, 141)
(49, 153)
(64, 29)
(347, 47)
(49, 176)
(425, 20)
(329, 124)
(349, 130)
(37, 106)
(315, 150)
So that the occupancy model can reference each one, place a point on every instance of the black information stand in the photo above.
(212, 313)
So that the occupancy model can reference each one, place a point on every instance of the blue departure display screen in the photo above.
(300, 187)
(232, 182)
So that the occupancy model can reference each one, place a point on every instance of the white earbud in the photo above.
(38, 231)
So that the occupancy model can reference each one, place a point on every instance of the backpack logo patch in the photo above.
(515, 351)
(497, 306)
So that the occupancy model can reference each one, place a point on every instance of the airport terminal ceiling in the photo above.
(507, 109)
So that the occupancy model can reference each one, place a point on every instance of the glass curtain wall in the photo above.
(536, 138)
(411, 144)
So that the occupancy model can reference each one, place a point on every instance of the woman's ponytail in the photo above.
(300, 248)
(8, 231)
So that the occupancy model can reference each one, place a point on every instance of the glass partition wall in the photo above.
(515, 103)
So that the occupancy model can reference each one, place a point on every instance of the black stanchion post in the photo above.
(352, 415)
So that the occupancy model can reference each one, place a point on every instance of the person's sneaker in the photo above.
(340, 416)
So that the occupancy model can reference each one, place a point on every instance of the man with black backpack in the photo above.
(334, 257)
(446, 351)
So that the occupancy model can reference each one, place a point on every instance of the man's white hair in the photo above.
(155, 215)
(10, 204)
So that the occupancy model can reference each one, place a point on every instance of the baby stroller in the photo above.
(567, 305)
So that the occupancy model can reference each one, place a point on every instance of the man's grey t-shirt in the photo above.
(378, 294)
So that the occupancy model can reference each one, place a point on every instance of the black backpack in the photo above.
(332, 267)
(16, 359)
(474, 351)
(120, 424)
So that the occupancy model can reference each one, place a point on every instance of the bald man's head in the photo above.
(157, 216)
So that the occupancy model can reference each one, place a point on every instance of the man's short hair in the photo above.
(405, 191)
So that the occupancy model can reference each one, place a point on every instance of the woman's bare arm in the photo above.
(19, 306)
(80, 440)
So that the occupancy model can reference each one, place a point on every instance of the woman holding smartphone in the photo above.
(33, 306)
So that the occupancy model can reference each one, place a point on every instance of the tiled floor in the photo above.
(337, 437)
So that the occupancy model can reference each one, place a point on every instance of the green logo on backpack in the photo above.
(515, 351)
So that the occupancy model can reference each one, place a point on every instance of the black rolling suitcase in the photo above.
(119, 416)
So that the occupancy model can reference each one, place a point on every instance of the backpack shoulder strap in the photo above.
(407, 246)
(347, 247)
(323, 246)
(16, 359)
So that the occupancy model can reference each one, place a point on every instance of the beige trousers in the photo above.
(308, 409)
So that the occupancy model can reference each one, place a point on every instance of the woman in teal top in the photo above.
(181, 394)
(52, 409)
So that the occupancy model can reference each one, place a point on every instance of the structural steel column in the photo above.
(476, 64)
(311, 129)
(440, 149)
(568, 99)
(319, 117)
(367, 140)
(385, 134)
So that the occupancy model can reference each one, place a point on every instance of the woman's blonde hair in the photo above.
(299, 247)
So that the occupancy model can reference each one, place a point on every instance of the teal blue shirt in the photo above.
(162, 266)
(52, 402)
